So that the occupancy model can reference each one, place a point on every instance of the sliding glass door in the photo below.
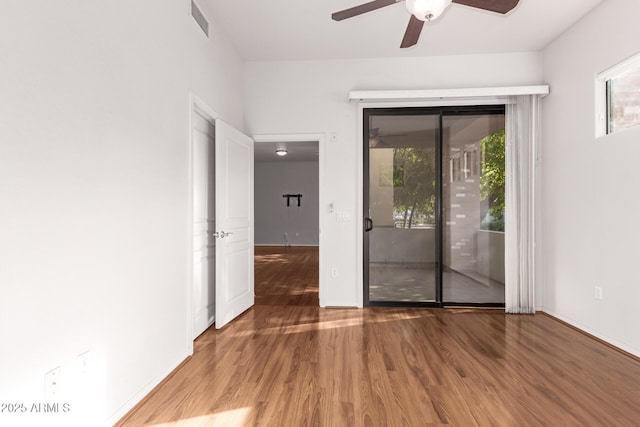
(434, 206)
(473, 196)
(400, 221)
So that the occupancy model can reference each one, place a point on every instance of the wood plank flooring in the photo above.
(287, 362)
(286, 276)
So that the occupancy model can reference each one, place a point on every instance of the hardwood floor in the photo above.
(287, 362)
(286, 276)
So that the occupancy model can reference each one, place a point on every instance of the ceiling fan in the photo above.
(424, 10)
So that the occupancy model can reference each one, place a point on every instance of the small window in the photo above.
(618, 97)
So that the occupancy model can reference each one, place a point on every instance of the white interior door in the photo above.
(203, 295)
(234, 223)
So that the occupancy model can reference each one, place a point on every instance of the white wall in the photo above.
(589, 185)
(311, 97)
(94, 184)
(272, 216)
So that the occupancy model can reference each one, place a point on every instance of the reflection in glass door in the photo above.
(400, 221)
(473, 193)
(434, 202)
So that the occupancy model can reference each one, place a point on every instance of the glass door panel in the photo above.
(401, 238)
(473, 192)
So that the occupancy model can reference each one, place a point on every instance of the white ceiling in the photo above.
(304, 30)
(303, 151)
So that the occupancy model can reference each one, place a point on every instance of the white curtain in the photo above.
(523, 133)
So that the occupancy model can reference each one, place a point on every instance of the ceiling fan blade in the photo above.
(363, 8)
(498, 6)
(412, 34)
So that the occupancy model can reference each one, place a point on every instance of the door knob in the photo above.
(221, 234)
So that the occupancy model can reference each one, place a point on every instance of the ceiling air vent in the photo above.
(199, 17)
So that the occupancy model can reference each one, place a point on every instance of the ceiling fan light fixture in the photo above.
(427, 10)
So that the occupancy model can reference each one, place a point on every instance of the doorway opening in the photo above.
(434, 206)
(287, 219)
(221, 285)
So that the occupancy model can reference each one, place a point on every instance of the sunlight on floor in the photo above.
(232, 418)
(327, 324)
(271, 258)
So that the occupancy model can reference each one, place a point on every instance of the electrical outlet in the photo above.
(83, 363)
(334, 272)
(598, 292)
(52, 384)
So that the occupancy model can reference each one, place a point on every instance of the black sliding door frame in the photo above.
(441, 112)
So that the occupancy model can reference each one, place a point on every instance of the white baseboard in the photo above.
(609, 340)
(280, 244)
(137, 398)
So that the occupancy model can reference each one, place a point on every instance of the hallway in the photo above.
(286, 275)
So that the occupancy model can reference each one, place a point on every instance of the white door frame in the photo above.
(196, 106)
(321, 139)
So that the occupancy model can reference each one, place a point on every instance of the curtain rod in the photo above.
(427, 94)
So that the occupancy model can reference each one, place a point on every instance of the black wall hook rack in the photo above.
(292, 196)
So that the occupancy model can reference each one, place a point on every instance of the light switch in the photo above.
(343, 216)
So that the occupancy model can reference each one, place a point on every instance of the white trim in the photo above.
(600, 106)
(621, 68)
(460, 102)
(196, 106)
(584, 328)
(143, 392)
(443, 94)
(271, 245)
(360, 203)
(321, 139)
